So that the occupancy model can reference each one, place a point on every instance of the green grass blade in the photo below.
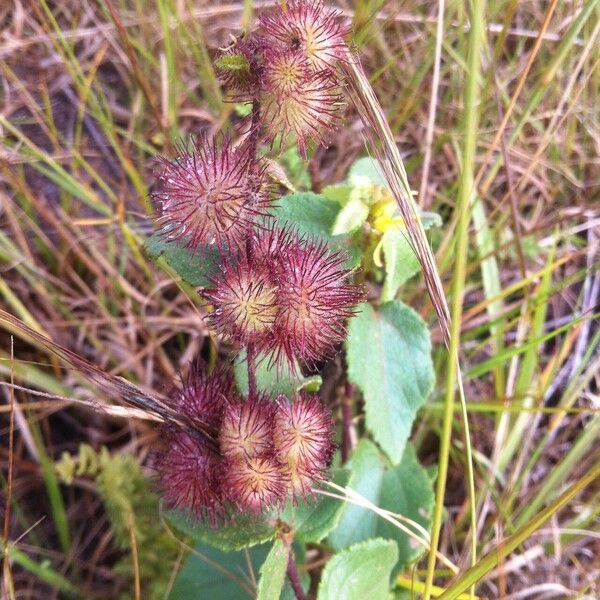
(493, 558)
(42, 571)
(464, 201)
(585, 444)
(171, 79)
(57, 505)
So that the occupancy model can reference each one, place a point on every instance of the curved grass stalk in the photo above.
(466, 195)
(353, 497)
(381, 141)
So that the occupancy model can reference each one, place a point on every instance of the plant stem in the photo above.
(347, 422)
(251, 360)
(294, 577)
(254, 132)
(253, 147)
(466, 196)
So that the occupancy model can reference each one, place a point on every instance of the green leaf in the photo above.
(389, 359)
(312, 520)
(312, 214)
(315, 215)
(401, 262)
(351, 217)
(430, 219)
(362, 571)
(406, 489)
(194, 267)
(218, 575)
(233, 62)
(366, 474)
(366, 171)
(272, 379)
(338, 193)
(241, 531)
(272, 572)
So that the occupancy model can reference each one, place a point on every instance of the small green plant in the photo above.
(493, 106)
(284, 277)
(131, 505)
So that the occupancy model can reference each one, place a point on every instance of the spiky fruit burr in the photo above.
(298, 101)
(210, 194)
(303, 436)
(189, 477)
(255, 484)
(309, 27)
(291, 298)
(303, 431)
(203, 397)
(253, 479)
(188, 469)
(247, 429)
(314, 300)
(284, 71)
(244, 300)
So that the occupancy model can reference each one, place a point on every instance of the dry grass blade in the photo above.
(6, 571)
(135, 67)
(134, 557)
(513, 101)
(115, 387)
(382, 143)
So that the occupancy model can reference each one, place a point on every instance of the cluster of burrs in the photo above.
(268, 449)
(279, 296)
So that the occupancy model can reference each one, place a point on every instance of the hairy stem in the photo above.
(251, 360)
(294, 577)
(347, 422)
(254, 132)
(253, 148)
